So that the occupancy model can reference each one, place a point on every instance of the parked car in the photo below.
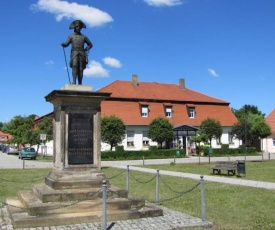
(5, 149)
(2, 147)
(12, 150)
(27, 152)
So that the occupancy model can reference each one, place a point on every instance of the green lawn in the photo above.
(260, 171)
(227, 206)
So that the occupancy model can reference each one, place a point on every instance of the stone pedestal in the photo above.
(72, 193)
(77, 140)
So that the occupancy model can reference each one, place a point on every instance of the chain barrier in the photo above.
(143, 182)
(118, 195)
(181, 194)
(25, 181)
(109, 178)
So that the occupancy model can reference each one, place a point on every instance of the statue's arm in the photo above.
(89, 44)
(66, 43)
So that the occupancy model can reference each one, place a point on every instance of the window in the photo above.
(130, 138)
(145, 139)
(273, 141)
(168, 111)
(191, 112)
(144, 110)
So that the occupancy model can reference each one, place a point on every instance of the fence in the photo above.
(157, 179)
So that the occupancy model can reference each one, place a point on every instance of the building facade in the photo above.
(138, 103)
(4, 137)
(268, 143)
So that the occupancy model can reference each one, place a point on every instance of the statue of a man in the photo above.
(79, 55)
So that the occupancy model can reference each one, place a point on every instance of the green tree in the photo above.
(200, 138)
(243, 112)
(160, 130)
(251, 127)
(112, 130)
(211, 128)
(46, 127)
(18, 126)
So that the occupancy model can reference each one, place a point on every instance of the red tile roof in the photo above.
(270, 120)
(126, 99)
(156, 91)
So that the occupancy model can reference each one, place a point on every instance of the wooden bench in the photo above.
(229, 166)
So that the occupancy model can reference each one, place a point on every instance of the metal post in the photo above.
(174, 160)
(143, 161)
(104, 208)
(127, 180)
(23, 163)
(203, 214)
(157, 188)
(262, 156)
(268, 156)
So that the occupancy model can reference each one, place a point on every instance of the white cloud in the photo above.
(49, 62)
(95, 69)
(91, 16)
(213, 72)
(163, 2)
(112, 62)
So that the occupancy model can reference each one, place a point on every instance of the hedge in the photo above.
(121, 154)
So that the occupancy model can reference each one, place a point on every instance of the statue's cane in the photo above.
(66, 65)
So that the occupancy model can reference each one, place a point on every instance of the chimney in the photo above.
(182, 83)
(135, 80)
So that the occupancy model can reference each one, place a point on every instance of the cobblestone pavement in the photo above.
(171, 220)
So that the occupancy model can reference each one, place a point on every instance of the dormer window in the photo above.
(191, 111)
(144, 111)
(168, 111)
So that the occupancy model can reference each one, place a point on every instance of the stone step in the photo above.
(21, 219)
(33, 205)
(48, 194)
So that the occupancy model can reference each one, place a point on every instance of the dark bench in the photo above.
(229, 166)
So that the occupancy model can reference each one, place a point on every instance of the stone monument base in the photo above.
(66, 199)
(72, 192)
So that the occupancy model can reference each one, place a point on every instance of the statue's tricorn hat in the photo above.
(77, 23)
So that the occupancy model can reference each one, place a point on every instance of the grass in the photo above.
(45, 158)
(227, 206)
(14, 180)
(260, 171)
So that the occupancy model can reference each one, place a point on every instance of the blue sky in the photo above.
(223, 48)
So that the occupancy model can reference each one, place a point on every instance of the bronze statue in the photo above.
(79, 55)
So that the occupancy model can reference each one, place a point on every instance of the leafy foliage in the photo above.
(46, 127)
(20, 127)
(160, 130)
(245, 110)
(112, 130)
(251, 127)
(211, 128)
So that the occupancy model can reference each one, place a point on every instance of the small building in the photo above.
(138, 103)
(4, 137)
(269, 142)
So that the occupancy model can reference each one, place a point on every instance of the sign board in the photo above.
(43, 137)
(80, 139)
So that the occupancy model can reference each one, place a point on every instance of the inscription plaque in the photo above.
(80, 137)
